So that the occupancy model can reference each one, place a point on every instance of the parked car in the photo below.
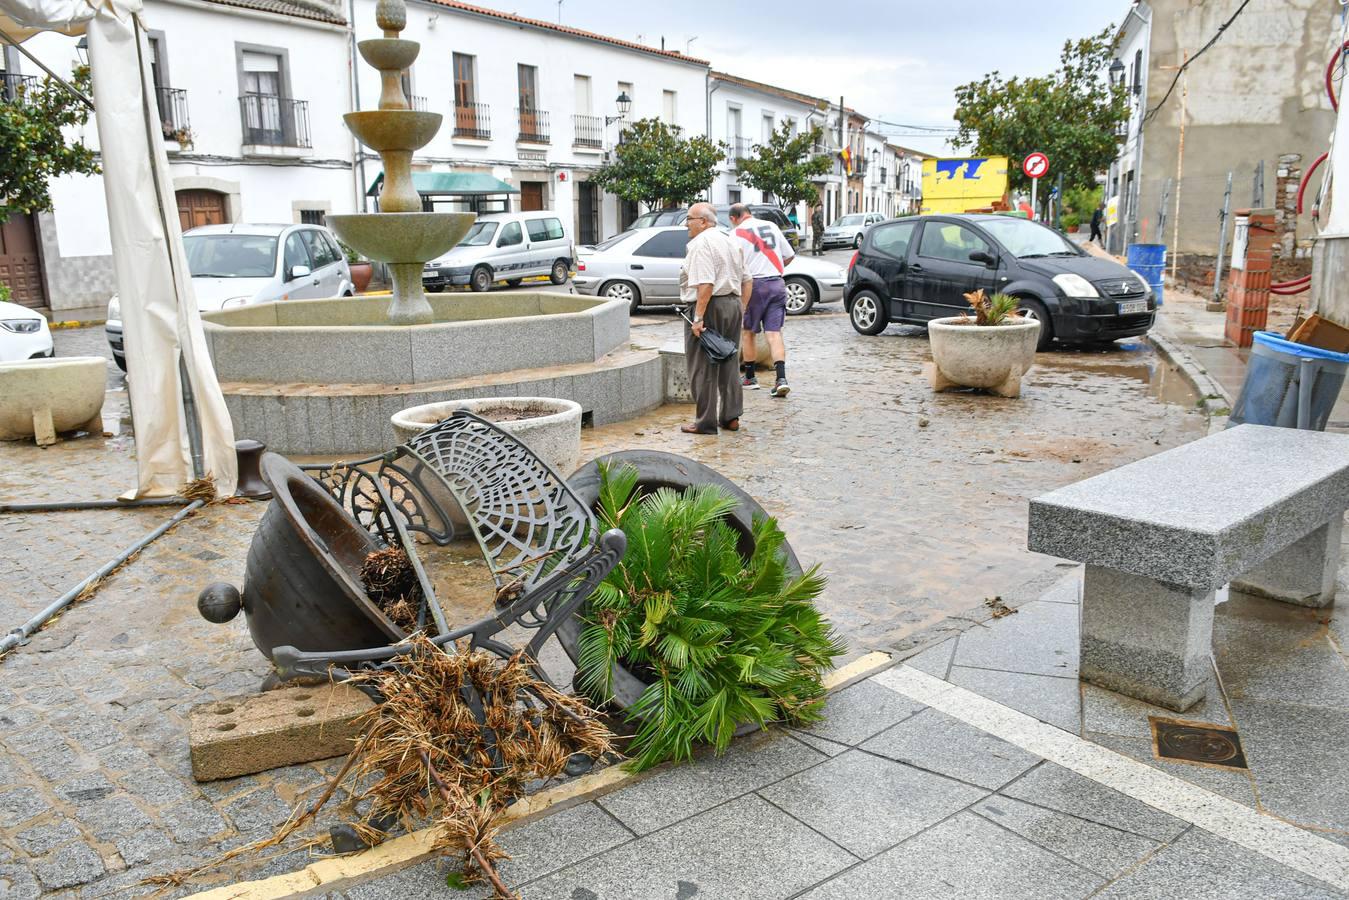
(641, 268)
(766, 211)
(848, 231)
(505, 246)
(23, 334)
(917, 269)
(234, 265)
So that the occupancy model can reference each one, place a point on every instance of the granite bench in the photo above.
(1259, 507)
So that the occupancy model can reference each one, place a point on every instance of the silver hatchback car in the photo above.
(641, 268)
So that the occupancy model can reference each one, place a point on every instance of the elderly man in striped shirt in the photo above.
(766, 253)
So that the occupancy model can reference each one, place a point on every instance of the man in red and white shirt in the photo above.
(766, 253)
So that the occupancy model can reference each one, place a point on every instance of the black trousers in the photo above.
(716, 384)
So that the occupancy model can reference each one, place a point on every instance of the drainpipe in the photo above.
(711, 89)
(358, 155)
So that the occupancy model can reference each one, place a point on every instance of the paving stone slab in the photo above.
(964, 858)
(681, 791)
(936, 660)
(20, 805)
(1297, 755)
(71, 865)
(536, 849)
(1107, 712)
(866, 804)
(1038, 639)
(939, 743)
(742, 849)
(861, 711)
(1199, 864)
(1106, 851)
(1230, 783)
(1267, 650)
(1057, 788)
(1050, 699)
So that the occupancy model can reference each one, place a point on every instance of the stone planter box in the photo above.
(990, 357)
(554, 435)
(41, 397)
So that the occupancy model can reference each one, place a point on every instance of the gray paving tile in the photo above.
(934, 660)
(1039, 639)
(1200, 865)
(1268, 650)
(1049, 699)
(742, 849)
(856, 713)
(866, 804)
(1107, 712)
(828, 748)
(1097, 848)
(1296, 754)
(1230, 783)
(935, 741)
(537, 849)
(682, 791)
(1055, 787)
(964, 858)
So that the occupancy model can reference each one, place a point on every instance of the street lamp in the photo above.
(1116, 73)
(82, 50)
(624, 107)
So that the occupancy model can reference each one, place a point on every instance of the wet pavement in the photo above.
(914, 504)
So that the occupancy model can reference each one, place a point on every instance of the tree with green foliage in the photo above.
(33, 145)
(784, 167)
(1072, 115)
(656, 165)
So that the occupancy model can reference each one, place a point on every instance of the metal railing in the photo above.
(172, 104)
(588, 131)
(13, 87)
(272, 121)
(418, 102)
(739, 149)
(533, 125)
(471, 120)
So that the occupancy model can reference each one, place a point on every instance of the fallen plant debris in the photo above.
(458, 736)
(202, 489)
(391, 582)
(997, 607)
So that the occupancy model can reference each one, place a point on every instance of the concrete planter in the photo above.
(991, 357)
(552, 430)
(41, 397)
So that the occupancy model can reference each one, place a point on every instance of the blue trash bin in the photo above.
(1289, 385)
(1149, 261)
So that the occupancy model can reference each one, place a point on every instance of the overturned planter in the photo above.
(989, 357)
(549, 426)
(41, 397)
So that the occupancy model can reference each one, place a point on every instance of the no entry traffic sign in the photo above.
(1036, 165)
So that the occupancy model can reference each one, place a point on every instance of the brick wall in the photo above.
(1289, 175)
(1248, 287)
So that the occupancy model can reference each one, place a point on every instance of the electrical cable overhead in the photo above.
(1181, 71)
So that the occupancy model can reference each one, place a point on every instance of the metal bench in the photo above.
(1261, 508)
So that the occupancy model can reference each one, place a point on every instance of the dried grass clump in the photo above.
(202, 489)
(391, 582)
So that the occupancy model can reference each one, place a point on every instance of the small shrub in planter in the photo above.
(720, 641)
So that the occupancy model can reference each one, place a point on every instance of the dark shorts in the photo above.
(767, 305)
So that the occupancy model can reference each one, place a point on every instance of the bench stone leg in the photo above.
(1303, 573)
(1145, 638)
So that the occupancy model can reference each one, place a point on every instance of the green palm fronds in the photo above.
(721, 641)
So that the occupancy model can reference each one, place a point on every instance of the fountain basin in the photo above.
(548, 426)
(410, 237)
(393, 129)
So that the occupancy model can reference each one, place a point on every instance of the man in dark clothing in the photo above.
(1096, 216)
(817, 231)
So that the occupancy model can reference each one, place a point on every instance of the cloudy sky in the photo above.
(898, 60)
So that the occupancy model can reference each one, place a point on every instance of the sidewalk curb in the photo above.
(74, 323)
(342, 872)
(1214, 399)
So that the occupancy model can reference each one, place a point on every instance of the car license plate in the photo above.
(1133, 306)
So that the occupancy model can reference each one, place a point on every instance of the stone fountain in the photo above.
(400, 234)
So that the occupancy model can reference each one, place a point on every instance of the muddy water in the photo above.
(915, 504)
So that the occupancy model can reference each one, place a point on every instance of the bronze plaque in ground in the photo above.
(1196, 742)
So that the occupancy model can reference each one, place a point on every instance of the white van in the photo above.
(505, 247)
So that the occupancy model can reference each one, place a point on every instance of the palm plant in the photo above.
(719, 640)
(994, 310)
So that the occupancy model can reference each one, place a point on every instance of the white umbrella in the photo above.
(165, 347)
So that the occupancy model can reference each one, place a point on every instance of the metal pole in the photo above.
(1161, 211)
(1222, 243)
(90, 504)
(1258, 190)
(1034, 210)
(1180, 166)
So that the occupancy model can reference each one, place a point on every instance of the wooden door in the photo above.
(199, 207)
(531, 196)
(20, 266)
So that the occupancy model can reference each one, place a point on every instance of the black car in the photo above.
(916, 269)
(766, 211)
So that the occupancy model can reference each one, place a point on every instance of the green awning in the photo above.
(455, 184)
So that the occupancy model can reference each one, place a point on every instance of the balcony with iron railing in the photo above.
(173, 118)
(271, 121)
(472, 121)
(738, 148)
(587, 131)
(13, 87)
(533, 125)
(418, 102)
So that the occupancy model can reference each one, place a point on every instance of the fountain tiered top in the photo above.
(401, 234)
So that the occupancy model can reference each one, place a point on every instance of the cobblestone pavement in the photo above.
(914, 503)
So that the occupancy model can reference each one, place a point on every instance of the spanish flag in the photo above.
(846, 156)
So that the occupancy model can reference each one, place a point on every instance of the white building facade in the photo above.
(1124, 178)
